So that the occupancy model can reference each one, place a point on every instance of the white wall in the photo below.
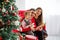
(20, 4)
(47, 5)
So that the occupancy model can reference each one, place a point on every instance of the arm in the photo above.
(40, 27)
(33, 21)
(33, 24)
(43, 26)
(24, 28)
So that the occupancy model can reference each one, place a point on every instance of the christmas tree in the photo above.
(8, 19)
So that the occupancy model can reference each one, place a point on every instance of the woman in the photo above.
(39, 23)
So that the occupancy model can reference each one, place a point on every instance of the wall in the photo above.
(20, 4)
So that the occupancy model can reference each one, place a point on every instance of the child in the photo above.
(26, 24)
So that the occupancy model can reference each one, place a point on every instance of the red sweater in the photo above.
(44, 28)
(28, 29)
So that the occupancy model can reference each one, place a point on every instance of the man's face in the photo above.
(32, 13)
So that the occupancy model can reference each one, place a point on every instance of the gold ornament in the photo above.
(6, 0)
(3, 10)
(0, 9)
(1, 23)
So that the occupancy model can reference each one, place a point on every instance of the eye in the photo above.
(32, 12)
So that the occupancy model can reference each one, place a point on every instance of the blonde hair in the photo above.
(27, 13)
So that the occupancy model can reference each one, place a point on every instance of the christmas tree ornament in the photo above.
(3, 10)
(0, 9)
(6, 12)
(13, 8)
(1, 23)
(8, 22)
(3, 14)
(0, 19)
(2, 2)
(17, 23)
(6, 0)
(14, 14)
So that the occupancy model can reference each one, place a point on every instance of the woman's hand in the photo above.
(39, 28)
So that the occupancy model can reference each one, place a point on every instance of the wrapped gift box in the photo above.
(30, 37)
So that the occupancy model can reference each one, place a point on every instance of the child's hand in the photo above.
(32, 25)
(37, 28)
(29, 25)
(32, 28)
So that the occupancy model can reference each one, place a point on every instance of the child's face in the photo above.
(28, 16)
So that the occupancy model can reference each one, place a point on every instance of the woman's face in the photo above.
(38, 12)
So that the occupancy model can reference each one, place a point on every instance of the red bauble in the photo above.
(14, 14)
(3, 14)
(1, 38)
(30, 37)
(1, 24)
(6, 0)
(0, 9)
(8, 22)
(12, 7)
(6, 12)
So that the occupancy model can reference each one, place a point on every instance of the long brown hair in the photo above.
(39, 20)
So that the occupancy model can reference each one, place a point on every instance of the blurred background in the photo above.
(51, 14)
